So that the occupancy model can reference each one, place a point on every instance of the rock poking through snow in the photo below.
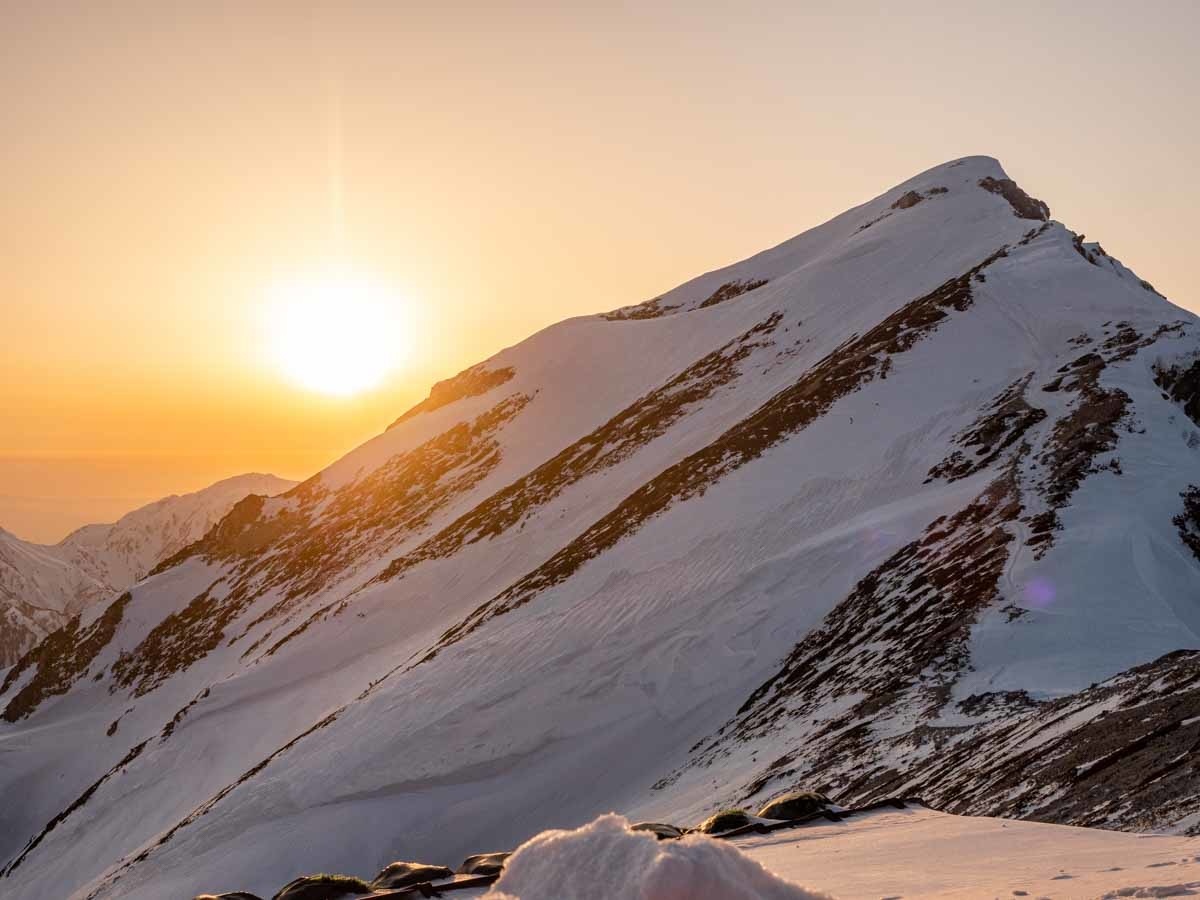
(606, 859)
(402, 874)
(794, 805)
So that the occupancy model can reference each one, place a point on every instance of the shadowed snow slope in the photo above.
(892, 508)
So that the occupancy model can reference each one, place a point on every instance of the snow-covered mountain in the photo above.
(904, 505)
(43, 586)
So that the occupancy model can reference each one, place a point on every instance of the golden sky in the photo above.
(498, 166)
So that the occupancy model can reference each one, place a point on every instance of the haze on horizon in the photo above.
(499, 168)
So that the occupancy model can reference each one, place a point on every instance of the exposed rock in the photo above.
(856, 362)
(62, 658)
(731, 289)
(725, 820)
(483, 863)
(616, 440)
(1188, 521)
(471, 382)
(908, 200)
(651, 309)
(402, 874)
(1002, 425)
(1023, 205)
(1182, 384)
(323, 887)
(868, 659)
(794, 805)
(232, 895)
(661, 831)
(313, 534)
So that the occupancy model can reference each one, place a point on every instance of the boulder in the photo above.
(483, 864)
(725, 820)
(795, 805)
(661, 831)
(323, 887)
(403, 874)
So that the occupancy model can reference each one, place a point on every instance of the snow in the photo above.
(922, 853)
(598, 689)
(50, 583)
(604, 859)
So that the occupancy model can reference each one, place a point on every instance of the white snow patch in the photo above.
(605, 859)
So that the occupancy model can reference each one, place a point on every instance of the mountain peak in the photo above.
(903, 499)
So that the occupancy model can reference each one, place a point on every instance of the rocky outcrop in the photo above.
(471, 382)
(1023, 205)
(402, 874)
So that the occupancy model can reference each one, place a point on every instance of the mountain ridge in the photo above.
(44, 585)
(852, 524)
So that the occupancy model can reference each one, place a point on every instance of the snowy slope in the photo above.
(893, 507)
(921, 853)
(41, 586)
(911, 853)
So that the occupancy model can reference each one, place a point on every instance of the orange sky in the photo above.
(499, 167)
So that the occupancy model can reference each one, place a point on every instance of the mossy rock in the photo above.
(725, 820)
(795, 805)
(323, 887)
(483, 864)
(403, 874)
(661, 831)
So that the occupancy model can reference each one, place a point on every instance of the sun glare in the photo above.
(335, 331)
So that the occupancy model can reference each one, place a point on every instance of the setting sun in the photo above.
(334, 331)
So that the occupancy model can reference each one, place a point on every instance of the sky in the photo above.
(495, 167)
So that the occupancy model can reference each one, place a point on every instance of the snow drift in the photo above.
(604, 859)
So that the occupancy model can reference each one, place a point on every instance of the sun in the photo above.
(335, 331)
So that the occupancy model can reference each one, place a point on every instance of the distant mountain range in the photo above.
(43, 586)
(908, 504)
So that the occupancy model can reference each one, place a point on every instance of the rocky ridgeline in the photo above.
(412, 879)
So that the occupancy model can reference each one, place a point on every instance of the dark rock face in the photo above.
(402, 874)
(794, 805)
(1182, 384)
(1188, 521)
(323, 887)
(1023, 205)
(484, 864)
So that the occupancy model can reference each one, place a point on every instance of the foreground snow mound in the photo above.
(605, 859)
